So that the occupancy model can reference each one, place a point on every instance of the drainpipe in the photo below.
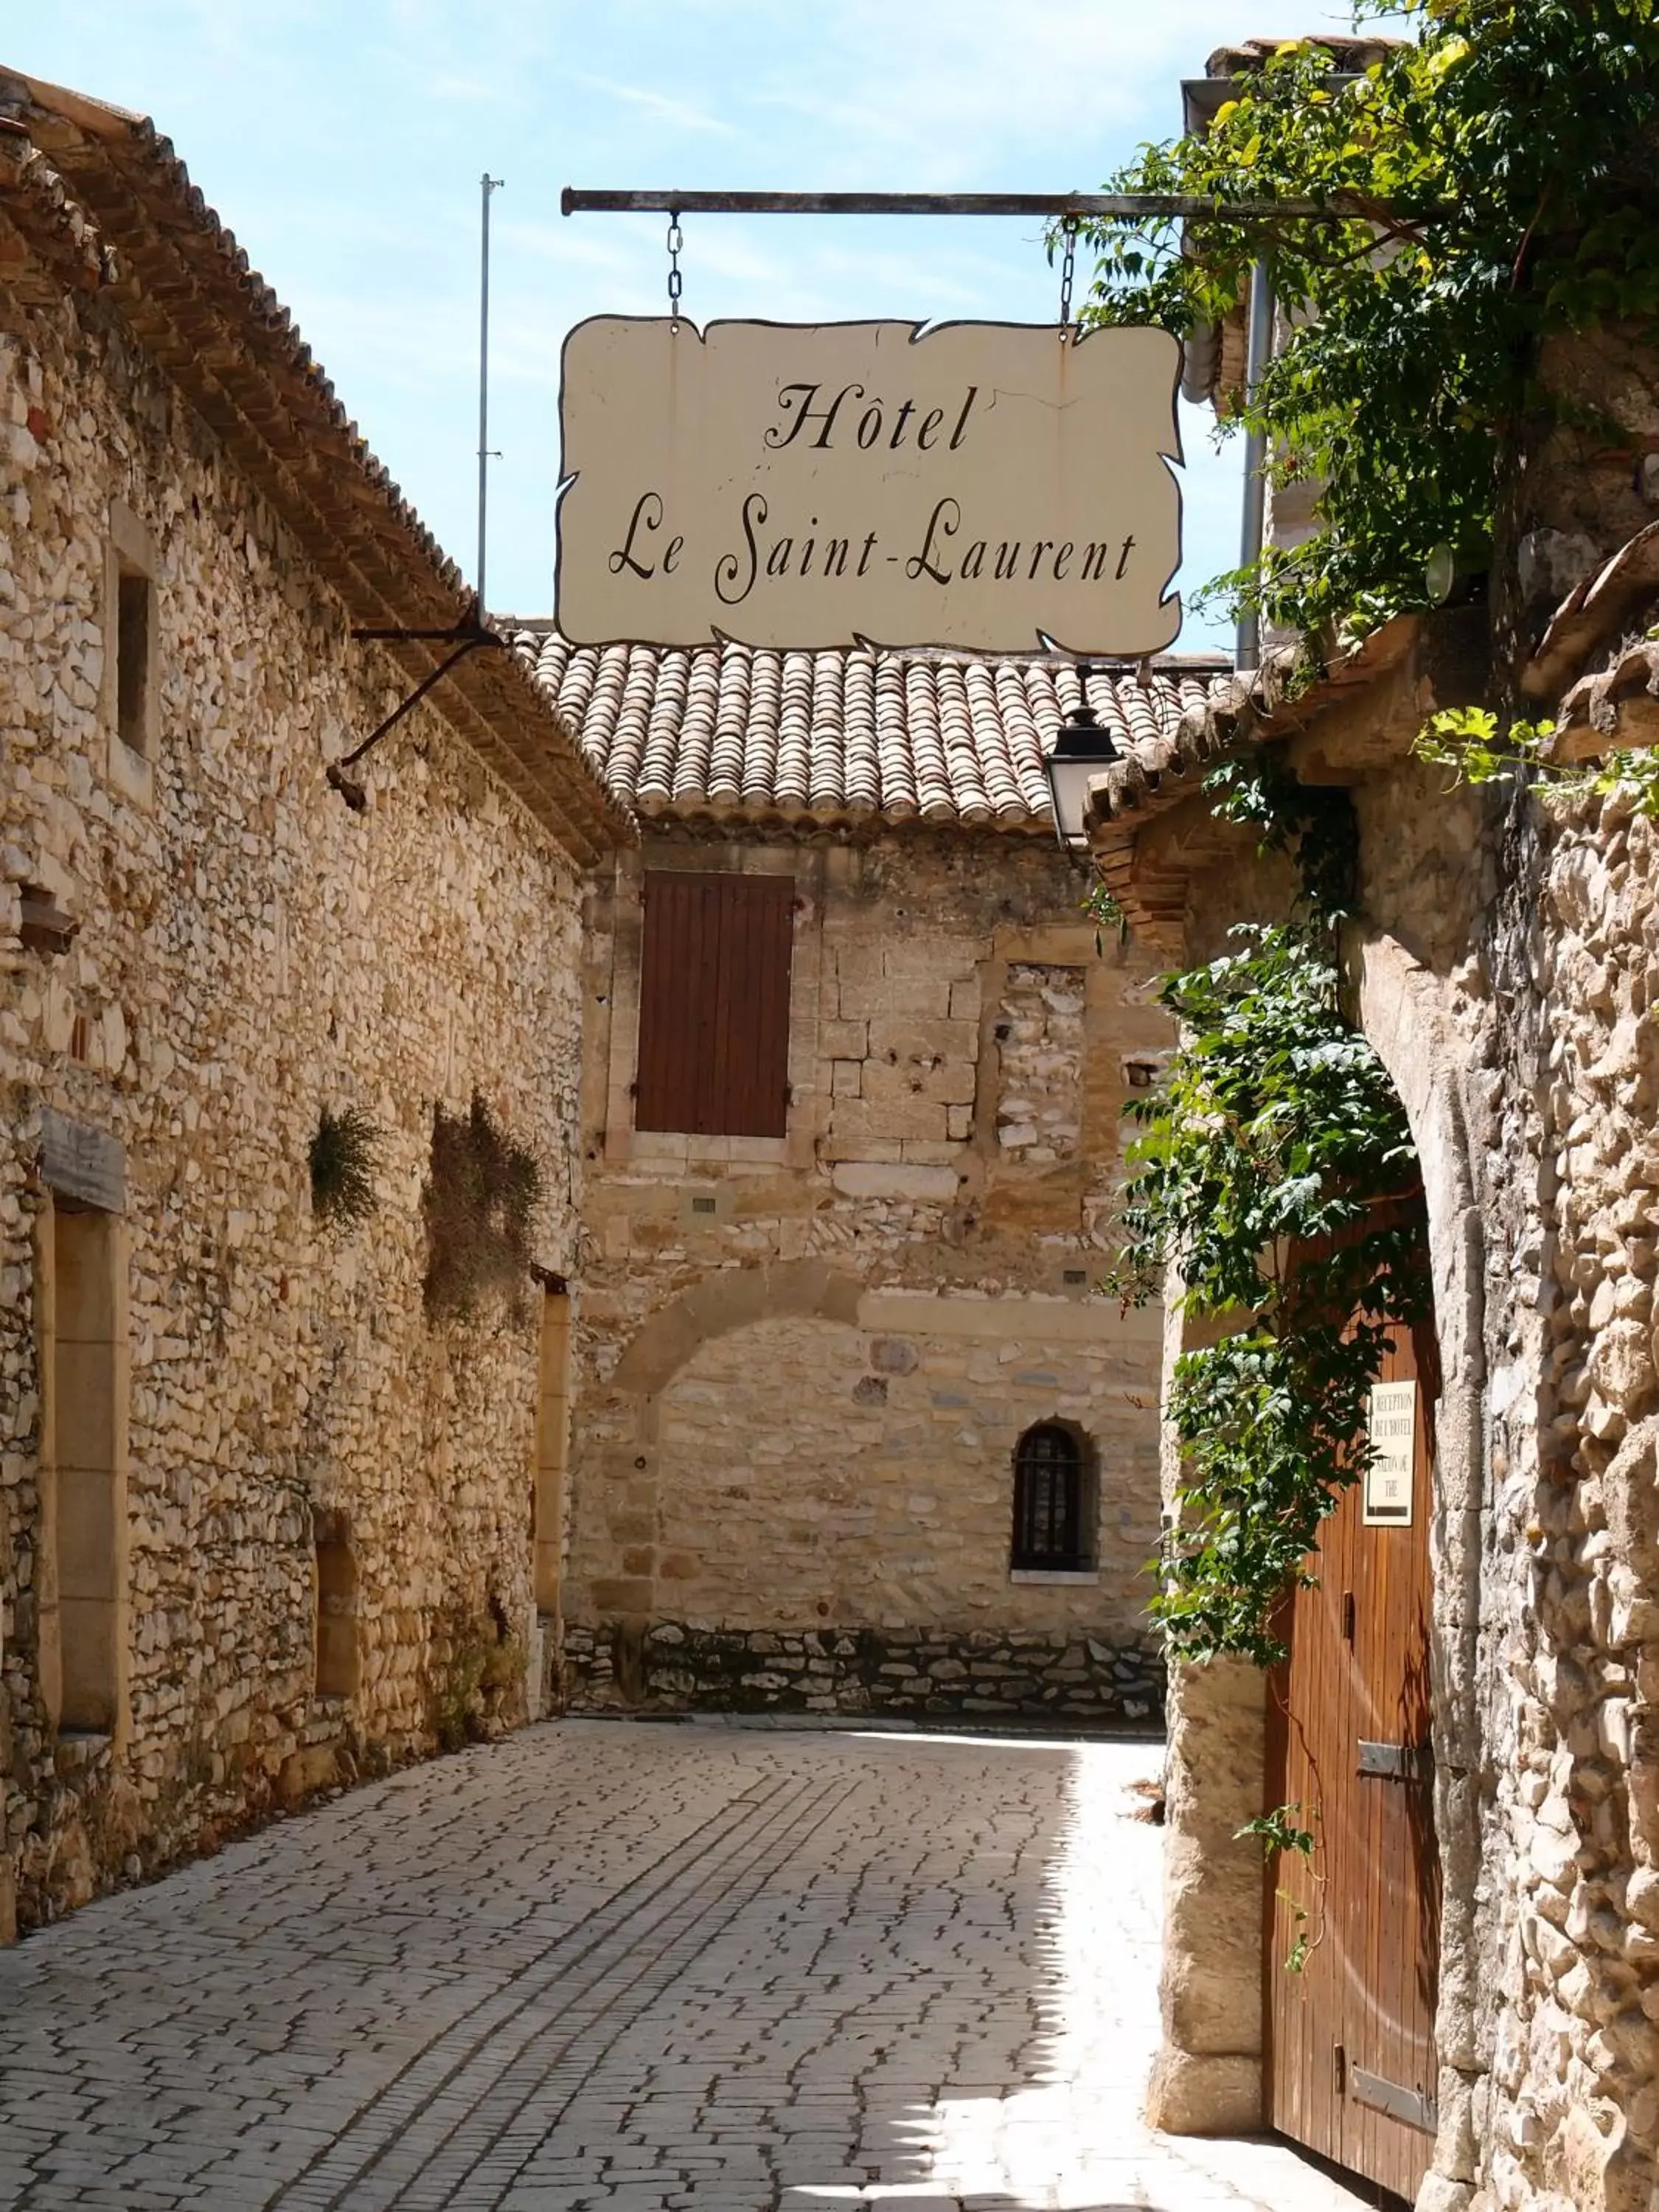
(1258, 348)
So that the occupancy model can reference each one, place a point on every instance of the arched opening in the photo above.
(1351, 1755)
(1053, 1530)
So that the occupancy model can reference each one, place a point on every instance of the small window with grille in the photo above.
(1051, 1489)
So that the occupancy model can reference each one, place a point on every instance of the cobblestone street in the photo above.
(616, 1967)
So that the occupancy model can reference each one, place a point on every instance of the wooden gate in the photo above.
(1350, 2060)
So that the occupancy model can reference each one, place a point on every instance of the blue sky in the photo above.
(342, 141)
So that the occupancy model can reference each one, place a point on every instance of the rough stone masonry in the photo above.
(806, 1362)
(264, 1524)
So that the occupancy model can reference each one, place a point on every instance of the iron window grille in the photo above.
(1048, 1501)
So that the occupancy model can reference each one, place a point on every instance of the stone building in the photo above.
(265, 1505)
(1502, 965)
(850, 1431)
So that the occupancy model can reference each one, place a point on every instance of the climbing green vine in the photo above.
(1278, 1830)
(1479, 747)
(1498, 182)
(1263, 1170)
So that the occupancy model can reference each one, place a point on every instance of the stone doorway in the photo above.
(1211, 2075)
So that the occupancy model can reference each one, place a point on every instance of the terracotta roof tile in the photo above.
(728, 730)
(1209, 721)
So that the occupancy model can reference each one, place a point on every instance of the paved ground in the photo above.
(633, 1968)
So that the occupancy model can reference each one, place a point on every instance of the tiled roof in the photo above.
(100, 202)
(1255, 708)
(1265, 706)
(730, 730)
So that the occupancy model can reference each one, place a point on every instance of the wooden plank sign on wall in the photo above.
(713, 1056)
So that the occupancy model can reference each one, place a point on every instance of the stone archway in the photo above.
(1402, 1013)
(783, 1452)
(731, 1299)
(1209, 2073)
(621, 1478)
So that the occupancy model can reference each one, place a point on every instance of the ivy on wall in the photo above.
(1275, 1173)
(1488, 184)
(1499, 183)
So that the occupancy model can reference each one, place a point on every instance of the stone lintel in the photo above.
(934, 1186)
(80, 1162)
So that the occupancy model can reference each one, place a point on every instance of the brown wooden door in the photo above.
(1352, 2066)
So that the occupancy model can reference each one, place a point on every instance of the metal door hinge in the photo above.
(1414, 2107)
(1397, 1762)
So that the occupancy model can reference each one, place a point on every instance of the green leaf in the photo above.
(1257, 1173)
(1506, 151)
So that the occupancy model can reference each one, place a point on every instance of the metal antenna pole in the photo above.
(487, 185)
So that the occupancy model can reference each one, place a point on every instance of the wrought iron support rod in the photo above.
(1192, 207)
(469, 644)
(451, 633)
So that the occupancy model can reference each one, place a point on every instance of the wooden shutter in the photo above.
(714, 1058)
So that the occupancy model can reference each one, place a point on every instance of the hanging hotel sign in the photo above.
(985, 485)
(1391, 1428)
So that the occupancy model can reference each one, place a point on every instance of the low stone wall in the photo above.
(982, 1675)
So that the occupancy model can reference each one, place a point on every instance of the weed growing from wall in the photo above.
(343, 1160)
(477, 1204)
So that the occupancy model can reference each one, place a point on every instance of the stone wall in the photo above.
(248, 951)
(990, 1678)
(804, 1362)
(1507, 977)
(1505, 966)
(1571, 1588)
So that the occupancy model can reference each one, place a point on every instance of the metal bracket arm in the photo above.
(449, 634)
(1080, 206)
(467, 639)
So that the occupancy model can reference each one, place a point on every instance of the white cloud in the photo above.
(676, 114)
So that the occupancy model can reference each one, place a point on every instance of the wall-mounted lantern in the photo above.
(1083, 750)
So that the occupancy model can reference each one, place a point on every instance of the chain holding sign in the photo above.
(973, 485)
